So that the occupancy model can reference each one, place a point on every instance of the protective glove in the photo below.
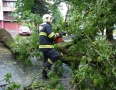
(61, 54)
(58, 35)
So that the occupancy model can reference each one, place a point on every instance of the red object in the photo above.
(24, 30)
(58, 40)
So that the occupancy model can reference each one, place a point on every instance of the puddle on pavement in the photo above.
(21, 73)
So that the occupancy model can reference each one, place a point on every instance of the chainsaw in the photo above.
(64, 38)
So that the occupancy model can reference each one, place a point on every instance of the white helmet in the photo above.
(46, 18)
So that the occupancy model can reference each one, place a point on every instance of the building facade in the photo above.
(7, 21)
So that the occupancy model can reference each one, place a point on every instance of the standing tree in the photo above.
(94, 16)
(36, 6)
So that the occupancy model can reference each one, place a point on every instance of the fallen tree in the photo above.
(7, 40)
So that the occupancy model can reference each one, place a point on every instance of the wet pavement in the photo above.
(21, 73)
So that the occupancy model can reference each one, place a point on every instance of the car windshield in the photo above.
(24, 28)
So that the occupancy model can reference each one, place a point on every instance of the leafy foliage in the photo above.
(96, 68)
(36, 6)
(11, 84)
(40, 7)
(95, 16)
(87, 19)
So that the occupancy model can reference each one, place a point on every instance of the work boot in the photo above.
(47, 65)
(44, 74)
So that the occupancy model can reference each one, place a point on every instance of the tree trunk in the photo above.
(109, 31)
(6, 39)
(109, 35)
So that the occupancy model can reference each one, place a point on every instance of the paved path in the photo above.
(21, 73)
(13, 32)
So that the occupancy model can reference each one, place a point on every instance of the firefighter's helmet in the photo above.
(46, 18)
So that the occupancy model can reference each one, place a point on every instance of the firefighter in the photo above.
(46, 44)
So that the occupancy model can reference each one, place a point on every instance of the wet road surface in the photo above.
(21, 73)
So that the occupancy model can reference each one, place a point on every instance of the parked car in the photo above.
(24, 30)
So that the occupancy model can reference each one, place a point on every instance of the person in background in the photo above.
(46, 44)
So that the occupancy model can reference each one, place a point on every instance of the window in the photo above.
(5, 4)
(9, 14)
(9, 4)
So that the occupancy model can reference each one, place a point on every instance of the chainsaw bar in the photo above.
(69, 37)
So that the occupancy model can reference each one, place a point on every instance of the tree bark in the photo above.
(109, 31)
(6, 39)
(109, 35)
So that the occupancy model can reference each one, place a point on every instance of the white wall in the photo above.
(1, 10)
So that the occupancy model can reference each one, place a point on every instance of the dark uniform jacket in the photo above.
(46, 37)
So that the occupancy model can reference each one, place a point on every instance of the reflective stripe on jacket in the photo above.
(46, 36)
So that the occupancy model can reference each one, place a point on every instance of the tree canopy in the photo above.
(94, 15)
(36, 6)
(92, 56)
